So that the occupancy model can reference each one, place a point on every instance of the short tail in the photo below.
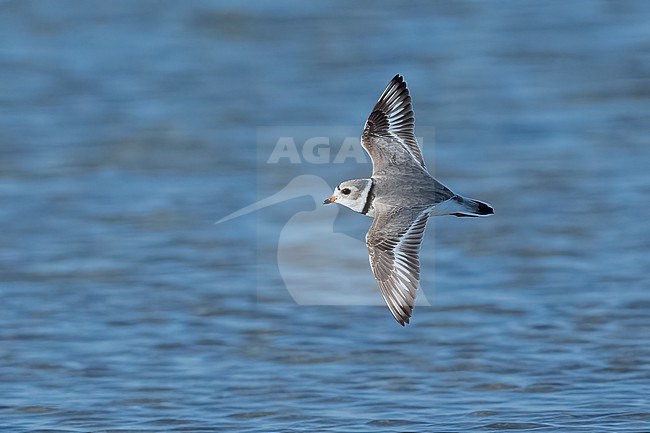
(468, 207)
(462, 207)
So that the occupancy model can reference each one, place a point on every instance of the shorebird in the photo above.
(305, 270)
(400, 196)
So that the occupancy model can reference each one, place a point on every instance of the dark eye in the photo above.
(346, 191)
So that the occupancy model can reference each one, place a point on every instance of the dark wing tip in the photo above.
(392, 116)
(401, 315)
(401, 312)
(393, 112)
(394, 95)
(401, 319)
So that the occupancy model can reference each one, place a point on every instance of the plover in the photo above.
(400, 196)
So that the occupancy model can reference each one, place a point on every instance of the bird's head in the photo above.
(351, 193)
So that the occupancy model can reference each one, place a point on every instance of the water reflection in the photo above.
(127, 129)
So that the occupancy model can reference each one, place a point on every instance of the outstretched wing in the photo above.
(388, 133)
(393, 243)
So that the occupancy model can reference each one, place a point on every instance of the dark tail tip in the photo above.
(484, 209)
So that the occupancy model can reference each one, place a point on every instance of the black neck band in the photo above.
(371, 196)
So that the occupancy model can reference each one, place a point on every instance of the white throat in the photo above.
(361, 203)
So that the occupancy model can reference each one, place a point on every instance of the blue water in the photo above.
(128, 128)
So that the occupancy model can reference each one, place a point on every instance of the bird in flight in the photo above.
(400, 196)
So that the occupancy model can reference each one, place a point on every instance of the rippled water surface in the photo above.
(128, 128)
